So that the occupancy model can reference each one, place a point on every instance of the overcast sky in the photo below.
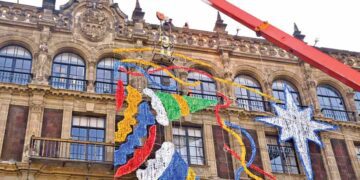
(335, 23)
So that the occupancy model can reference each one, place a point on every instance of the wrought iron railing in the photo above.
(105, 87)
(206, 96)
(340, 115)
(258, 105)
(22, 78)
(71, 150)
(253, 105)
(68, 83)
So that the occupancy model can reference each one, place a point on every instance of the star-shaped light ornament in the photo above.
(297, 124)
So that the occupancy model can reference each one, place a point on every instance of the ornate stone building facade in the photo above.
(57, 112)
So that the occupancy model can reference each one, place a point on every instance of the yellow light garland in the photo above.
(143, 62)
(124, 127)
(247, 88)
(127, 50)
(185, 110)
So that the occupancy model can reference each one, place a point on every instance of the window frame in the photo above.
(204, 93)
(14, 58)
(249, 100)
(187, 144)
(113, 83)
(293, 91)
(161, 76)
(280, 148)
(357, 102)
(332, 111)
(67, 78)
(88, 128)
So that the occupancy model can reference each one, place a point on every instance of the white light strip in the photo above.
(161, 115)
(156, 167)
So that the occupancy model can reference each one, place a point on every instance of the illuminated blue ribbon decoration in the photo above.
(145, 118)
(177, 169)
(142, 71)
(252, 144)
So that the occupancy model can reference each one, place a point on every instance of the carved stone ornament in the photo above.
(94, 24)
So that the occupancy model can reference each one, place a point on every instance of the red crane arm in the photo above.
(311, 55)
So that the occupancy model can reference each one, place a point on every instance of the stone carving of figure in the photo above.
(42, 63)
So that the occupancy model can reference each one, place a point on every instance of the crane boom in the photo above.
(309, 54)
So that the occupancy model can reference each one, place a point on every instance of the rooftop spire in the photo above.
(138, 14)
(297, 33)
(220, 26)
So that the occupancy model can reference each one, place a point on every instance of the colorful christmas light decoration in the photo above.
(140, 155)
(161, 115)
(168, 107)
(297, 124)
(156, 167)
(124, 126)
(145, 119)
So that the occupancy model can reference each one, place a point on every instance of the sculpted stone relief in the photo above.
(94, 23)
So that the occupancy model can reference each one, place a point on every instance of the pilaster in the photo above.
(330, 158)
(210, 149)
(4, 110)
(34, 123)
(67, 120)
(352, 154)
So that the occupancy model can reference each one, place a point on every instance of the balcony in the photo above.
(105, 87)
(71, 150)
(21, 78)
(68, 83)
(339, 115)
(258, 105)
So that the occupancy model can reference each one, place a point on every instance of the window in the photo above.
(357, 102)
(105, 77)
(189, 143)
(162, 78)
(357, 148)
(15, 65)
(332, 105)
(207, 88)
(279, 93)
(282, 156)
(246, 99)
(68, 72)
(89, 129)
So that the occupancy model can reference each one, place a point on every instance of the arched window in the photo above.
(207, 88)
(105, 76)
(279, 91)
(247, 99)
(68, 72)
(15, 65)
(357, 102)
(162, 78)
(332, 105)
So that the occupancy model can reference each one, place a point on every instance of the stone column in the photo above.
(67, 120)
(110, 125)
(352, 154)
(110, 131)
(34, 122)
(210, 149)
(330, 158)
(4, 110)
